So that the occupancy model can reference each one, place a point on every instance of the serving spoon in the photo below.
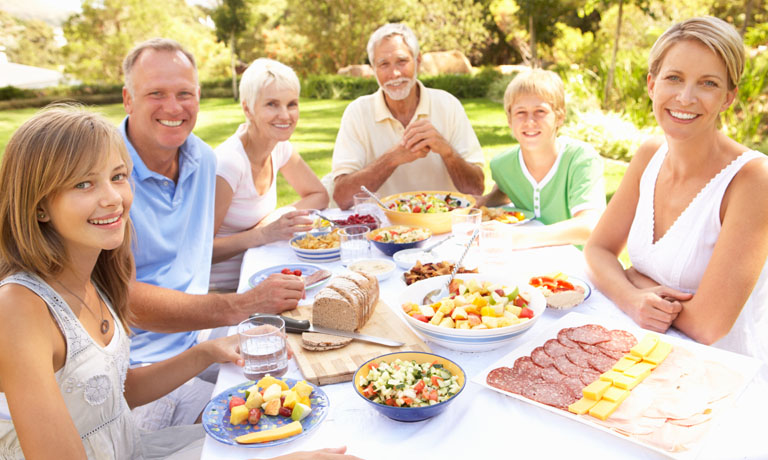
(443, 292)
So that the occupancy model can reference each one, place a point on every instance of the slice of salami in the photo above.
(574, 386)
(562, 337)
(551, 374)
(578, 357)
(566, 367)
(588, 376)
(525, 368)
(501, 378)
(621, 341)
(617, 355)
(591, 334)
(601, 362)
(554, 348)
(541, 358)
(551, 394)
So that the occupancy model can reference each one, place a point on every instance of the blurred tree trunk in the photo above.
(612, 68)
(747, 16)
(233, 64)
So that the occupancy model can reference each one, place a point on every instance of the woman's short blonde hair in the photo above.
(261, 73)
(542, 83)
(49, 152)
(714, 33)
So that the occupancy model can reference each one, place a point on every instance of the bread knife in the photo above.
(303, 325)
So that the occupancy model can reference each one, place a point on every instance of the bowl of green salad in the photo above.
(409, 386)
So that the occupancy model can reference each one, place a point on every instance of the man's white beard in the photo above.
(401, 92)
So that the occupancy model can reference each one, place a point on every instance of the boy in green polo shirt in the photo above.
(558, 179)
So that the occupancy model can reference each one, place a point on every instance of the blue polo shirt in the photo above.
(173, 235)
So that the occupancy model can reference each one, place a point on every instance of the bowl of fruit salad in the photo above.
(428, 209)
(409, 386)
(395, 238)
(482, 312)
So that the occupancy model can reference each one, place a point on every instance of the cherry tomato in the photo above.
(390, 402)
(433, 395)
(436, 380)
(368, 391)
(286, 271)
(297, 272)
(419, 386)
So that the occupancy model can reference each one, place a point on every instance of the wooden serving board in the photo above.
(340, 365)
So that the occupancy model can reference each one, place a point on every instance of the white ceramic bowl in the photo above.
(380, 268)
(471, 339)
(407, 258)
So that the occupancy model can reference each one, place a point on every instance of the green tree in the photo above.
(101, 35)
(232, 18)
(29, 42)
(540, 17)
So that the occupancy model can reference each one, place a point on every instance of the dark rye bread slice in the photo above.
(332, 310)
(321, 342)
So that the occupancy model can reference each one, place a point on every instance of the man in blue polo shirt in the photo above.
(174, 176)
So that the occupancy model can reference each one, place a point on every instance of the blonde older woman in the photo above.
(692, 208)
(247, 166)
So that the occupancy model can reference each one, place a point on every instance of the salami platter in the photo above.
(669, 410)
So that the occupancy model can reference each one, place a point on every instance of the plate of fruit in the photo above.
(265, 413)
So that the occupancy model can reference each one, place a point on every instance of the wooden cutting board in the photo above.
(340, 365)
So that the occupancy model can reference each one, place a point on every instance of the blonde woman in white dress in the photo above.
(692, 208)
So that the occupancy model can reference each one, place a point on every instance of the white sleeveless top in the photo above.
(680, 257)
(91, 382)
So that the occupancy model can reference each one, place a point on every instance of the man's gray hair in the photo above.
(388, 30)
(157, 44)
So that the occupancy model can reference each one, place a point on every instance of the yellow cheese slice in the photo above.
(603, 409)
(626, 382)
(284, 431)
(610, 375)
(582, 406)
(615, 394)
(645, 346)
(625, 363)
(659, 353)
(596, 389)
(640, 369)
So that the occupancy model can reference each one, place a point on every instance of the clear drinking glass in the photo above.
(364, 204)
(262, 345)
(463, 225)
(354, 243)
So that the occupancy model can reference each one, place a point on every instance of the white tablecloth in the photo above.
(483, 424)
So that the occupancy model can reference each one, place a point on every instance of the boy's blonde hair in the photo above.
(714, 33)
(542, 83)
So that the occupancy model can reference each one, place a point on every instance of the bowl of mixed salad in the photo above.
(409, 386)
(428, 209)
(395, 238)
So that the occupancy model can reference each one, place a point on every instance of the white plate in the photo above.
(306, 270)
(744, 365)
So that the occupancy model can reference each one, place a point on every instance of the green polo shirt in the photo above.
(574, 183)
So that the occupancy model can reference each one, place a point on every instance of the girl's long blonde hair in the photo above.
(48, 152)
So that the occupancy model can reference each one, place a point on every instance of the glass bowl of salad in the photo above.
(428, 209)
(409, 386)
(395, 238)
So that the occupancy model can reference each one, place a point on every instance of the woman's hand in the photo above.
(655, 308)
(224, 350)
(286, 225)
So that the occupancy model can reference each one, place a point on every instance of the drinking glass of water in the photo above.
(262, 345)
(463, 225)
(354, 243)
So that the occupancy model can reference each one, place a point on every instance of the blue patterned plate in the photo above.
(216, 416)
(306, 270)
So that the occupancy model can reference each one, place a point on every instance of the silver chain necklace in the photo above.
(104, 322)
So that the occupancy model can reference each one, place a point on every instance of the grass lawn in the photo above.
(316, 133)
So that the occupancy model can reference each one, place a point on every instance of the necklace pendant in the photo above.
(104, 326)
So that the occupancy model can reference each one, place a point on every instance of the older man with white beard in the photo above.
(405, 136)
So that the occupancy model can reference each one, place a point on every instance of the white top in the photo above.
(680, 257)
(91, 382)
(368, 129)
(248, 207)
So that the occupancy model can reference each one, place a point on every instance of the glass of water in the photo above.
(463, 225)
(354, 243)
(263, 347)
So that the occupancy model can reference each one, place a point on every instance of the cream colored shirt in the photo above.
(368, 129)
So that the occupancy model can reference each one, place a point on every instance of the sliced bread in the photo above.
(332, 310)
(321, 342)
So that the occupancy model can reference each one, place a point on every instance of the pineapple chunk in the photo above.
(274, 391)
(462, 324)
(302, 388)
(447, 322)
(437, 318)
(514, 309)
(490, 322)
(487, 311)
(239, 415)
(445, 308)
(291, 399)
(459, 313)
(254, 400)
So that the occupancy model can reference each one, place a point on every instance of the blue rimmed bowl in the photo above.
(472, 340)
(315, 255)
(411, 414)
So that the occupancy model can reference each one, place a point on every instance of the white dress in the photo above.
(680, 257)
(91, 382)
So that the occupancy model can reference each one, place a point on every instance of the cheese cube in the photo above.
(624, 363)
(626, 382)
(659, 353)
(615, 394)
(610, 375)
(603, 409)
(582, 406)
(640, 369)
(645, 346)
(596, 389)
